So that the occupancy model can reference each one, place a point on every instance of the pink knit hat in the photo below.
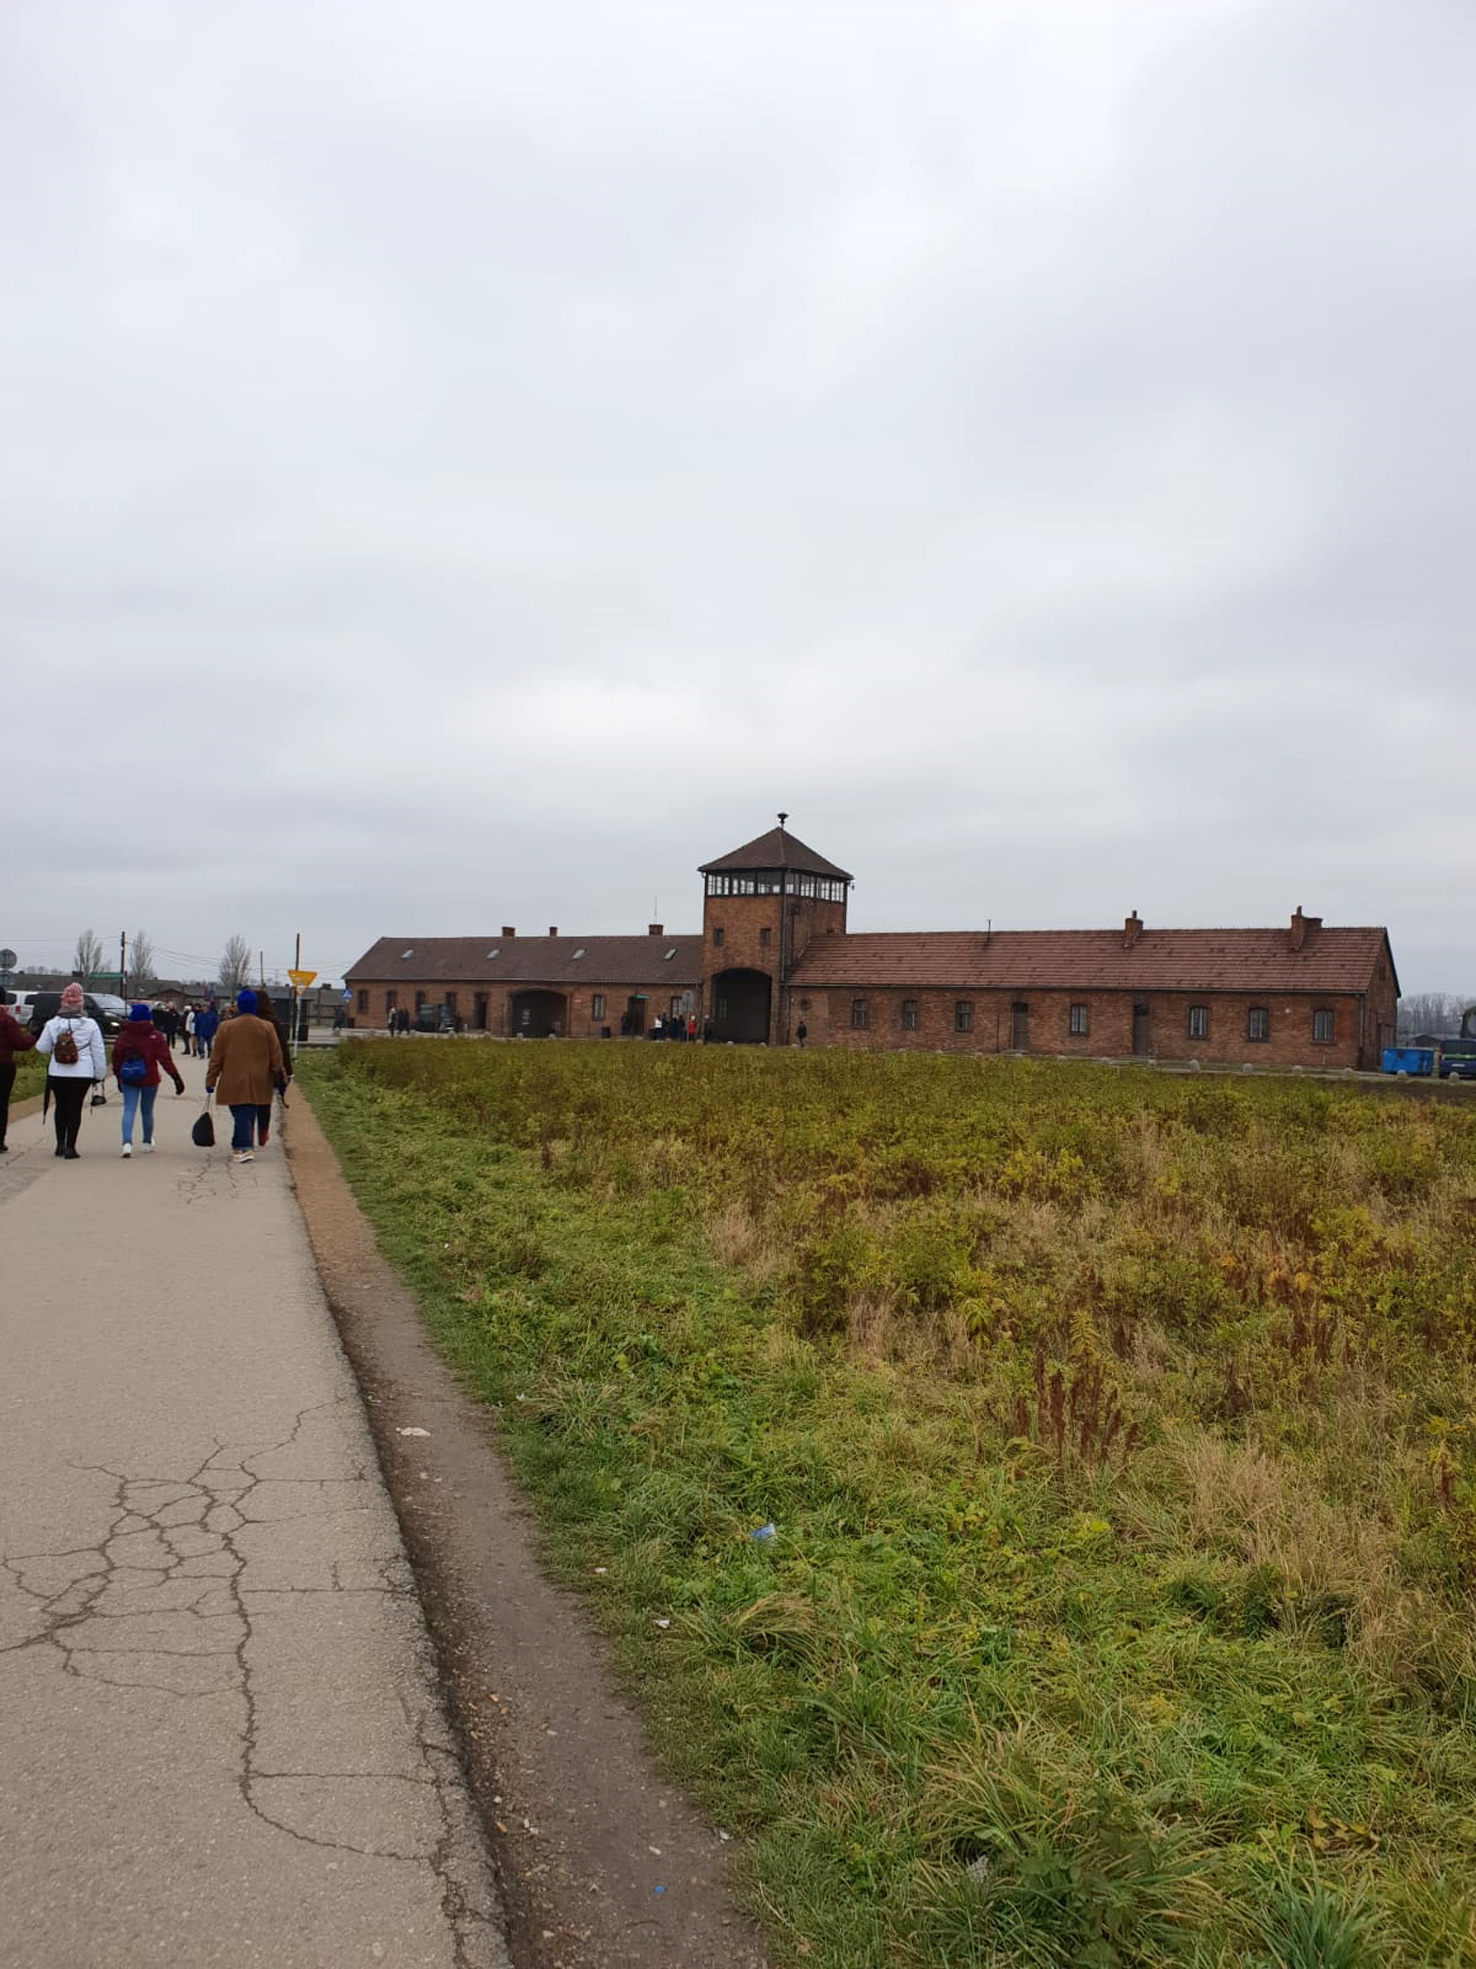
(71, 997)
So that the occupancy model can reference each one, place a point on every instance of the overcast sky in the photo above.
(469, 464)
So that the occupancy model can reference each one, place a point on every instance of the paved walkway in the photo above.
(220, 1738)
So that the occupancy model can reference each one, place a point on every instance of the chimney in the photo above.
(508, 932)
(1132, 929)
(1302, 928)
(655, 929)
(553, 929)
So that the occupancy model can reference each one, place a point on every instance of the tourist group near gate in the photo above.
(775, 964)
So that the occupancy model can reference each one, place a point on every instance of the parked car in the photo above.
(109, 1012)
(18, 1003)
(1458, 1066)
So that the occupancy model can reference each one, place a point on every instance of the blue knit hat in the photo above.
(245, 1001)
(140, 1012)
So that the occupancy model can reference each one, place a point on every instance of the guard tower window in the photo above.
(765, 935)
(717, 939)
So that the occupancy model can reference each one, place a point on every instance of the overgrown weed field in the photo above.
(1115, 1430)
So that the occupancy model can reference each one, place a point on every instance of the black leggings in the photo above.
(68, 1097)
(7, 1081)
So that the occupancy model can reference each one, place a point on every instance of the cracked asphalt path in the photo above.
(221, 1736)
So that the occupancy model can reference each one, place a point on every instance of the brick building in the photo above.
(775, 954)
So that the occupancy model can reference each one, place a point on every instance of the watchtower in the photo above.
(762, 905)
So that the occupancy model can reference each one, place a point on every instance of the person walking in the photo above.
(187, 1026)
(138, 1053)
(266, 1011)
(74, 1047)
(13, 1039)
(246, 1068)
(207, 1024)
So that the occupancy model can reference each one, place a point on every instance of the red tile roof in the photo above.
(531, 961)
(1331, 960)
(776, 849)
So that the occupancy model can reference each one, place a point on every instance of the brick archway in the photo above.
(536, 1014)
(741, 1003)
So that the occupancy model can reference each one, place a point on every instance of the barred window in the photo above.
(909, 1015)
(858, 1012)
(1322, 1028)
(1080, 1021)
(1199, 1022)
(963, 1015)
(1258, 1023)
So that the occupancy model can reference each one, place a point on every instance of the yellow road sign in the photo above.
(302, 979)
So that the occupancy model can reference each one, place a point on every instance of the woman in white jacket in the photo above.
(77, 1058)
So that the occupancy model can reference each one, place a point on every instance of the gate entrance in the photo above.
(536, 1014)
(740, 1007)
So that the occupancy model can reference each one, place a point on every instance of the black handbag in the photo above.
(203, 1132)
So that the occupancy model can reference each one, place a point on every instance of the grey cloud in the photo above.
(475, 464)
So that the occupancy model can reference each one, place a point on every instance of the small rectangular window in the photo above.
(1199, 1022)
(1258, 1023)
(717, 939)
(764, 935)
(391, 1000)
(363, 1002)
(909, 1015)
(597, 1005)
(420, 1001)
(963, 1015)
(1322, 1028)
(675, 1007)
(451, 1001)
(858, 1012)
(1080, 1022)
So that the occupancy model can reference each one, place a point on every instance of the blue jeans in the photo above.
(245, 1120)
(135, 1098)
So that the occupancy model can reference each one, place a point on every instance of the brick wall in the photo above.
(579, 1018)
(745, 921)
(1109, 1024)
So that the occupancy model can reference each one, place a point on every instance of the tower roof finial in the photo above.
(783, 818)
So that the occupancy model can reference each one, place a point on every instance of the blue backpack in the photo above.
(133, 1070)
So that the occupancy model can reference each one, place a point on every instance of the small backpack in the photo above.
(133, 1070)
(64, 1052)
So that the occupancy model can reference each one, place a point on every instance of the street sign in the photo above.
(302, 979)
(7, 960)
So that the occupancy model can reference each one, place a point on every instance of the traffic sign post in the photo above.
(7, 965)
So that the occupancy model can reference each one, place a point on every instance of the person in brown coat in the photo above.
(13, 1039)
(246, 1068)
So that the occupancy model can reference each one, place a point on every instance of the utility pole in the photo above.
(122, 963)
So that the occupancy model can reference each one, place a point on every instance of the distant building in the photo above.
(775, 953)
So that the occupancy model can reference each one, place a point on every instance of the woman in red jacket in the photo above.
(138, 1053)
(13, 1039)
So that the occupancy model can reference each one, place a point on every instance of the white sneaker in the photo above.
(128, 1148)
(148, 1148)
(242, 1155)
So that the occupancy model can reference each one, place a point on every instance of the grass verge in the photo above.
(1117, 1608)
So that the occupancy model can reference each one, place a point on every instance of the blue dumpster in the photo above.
(1409, 1059)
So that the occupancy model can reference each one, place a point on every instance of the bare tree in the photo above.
(235, 965)
(141, 958)
(1435, 1012)
(87, 958)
